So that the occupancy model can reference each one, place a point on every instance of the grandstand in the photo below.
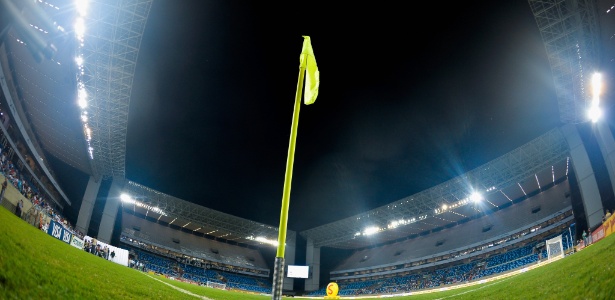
(440, 236)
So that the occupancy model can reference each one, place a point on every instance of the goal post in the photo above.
(216, 285)
(555, 248)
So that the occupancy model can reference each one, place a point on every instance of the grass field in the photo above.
(34, 265)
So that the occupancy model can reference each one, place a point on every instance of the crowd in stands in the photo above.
(147, 261)
(41, 211)
(497, 262)
(429, 278)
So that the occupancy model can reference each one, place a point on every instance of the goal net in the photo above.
(216, 285)
(555, 248)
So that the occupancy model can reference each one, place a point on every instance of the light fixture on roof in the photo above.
(82, 7)
(371, 230)
(594, 113)
(82, 96)
(476, 197)
(126, 198)
(396, 223)
(129, 200)
(263, 240)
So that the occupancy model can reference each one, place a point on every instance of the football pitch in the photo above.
(34, 265)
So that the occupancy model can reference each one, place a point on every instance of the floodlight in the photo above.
(82, 98)
(82, 7)
(594, 113)
(126, 198)
(79, 28)
(596, 85)
(371, 230)
(476, 197)
(263, 240)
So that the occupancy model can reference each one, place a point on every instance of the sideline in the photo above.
(476, 289)
(495, 279)
(179, 289)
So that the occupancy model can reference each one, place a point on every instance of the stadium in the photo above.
(546, 200)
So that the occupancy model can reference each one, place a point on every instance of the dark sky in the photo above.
(410, 96)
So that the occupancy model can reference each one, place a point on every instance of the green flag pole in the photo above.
(278, 271)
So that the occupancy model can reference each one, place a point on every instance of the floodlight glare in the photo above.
(476, 197)
(596, 85)
(371, 230)
(263, 240)
(79, 27)
(82, 98)
(82, 7)
(126, 198)
(594, 113)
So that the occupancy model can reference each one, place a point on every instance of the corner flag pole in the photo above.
(278, 272)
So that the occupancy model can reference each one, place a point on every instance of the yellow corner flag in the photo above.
(312, 78)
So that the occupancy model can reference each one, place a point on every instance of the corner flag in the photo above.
(308, 73)
(312, 78)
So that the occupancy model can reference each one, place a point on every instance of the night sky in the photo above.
(410, 96)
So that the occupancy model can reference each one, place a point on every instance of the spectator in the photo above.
(4, 185)
(19, 208)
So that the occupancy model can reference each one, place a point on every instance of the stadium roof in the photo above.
(523, 171)
(191, 217)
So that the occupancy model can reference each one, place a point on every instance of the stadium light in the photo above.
(594, 113)
(79, 27)
(476, 197)
(596, 85)
(82, 98)
(396, 223)
(263, 240)
(126, 198)
(82, 7)
(371, 230)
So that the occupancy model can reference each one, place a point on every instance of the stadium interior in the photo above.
(448, 234)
